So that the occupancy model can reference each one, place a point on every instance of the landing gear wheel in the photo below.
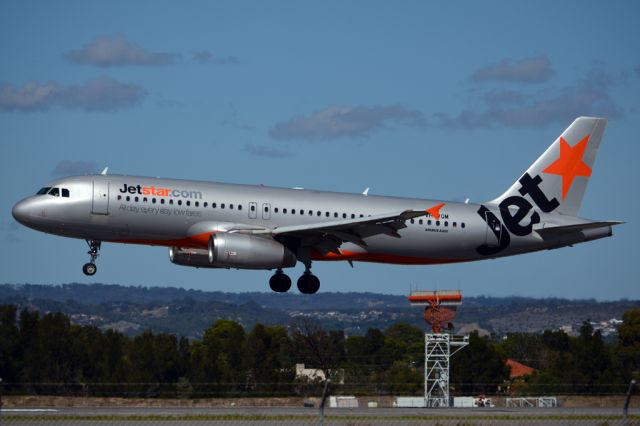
(89, 269)
(280, 282)
(308, 283)
(94, 248)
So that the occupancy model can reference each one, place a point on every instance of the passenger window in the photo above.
(239, 206)
(266, 209)
(65, 192)
(161, 200)
(153, 200)
(275, 209)
(213, 205)
(197, 204)
(179, 202)
(128, 198)
(455, 225)
(310, 213)
(171, 202)
(253, 208)
(412, 221)
(301, 212)
(188, 203)
(327, 214)
(420, 221)
(284, 211)
(353, 216)
(230, 206)
(462, 225)
(361, 215)
(222, 205)
(437, 223)
(344, 215)
(319, 213)
(119, 197)
(55, 192)
(43, 190)
(144, 199)
(446, 223)
(335, 214)
(429, 222)
(205, 204)
(293, 211)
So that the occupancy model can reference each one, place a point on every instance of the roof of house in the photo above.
(518, 369)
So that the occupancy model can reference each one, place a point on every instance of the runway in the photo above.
(302, 416)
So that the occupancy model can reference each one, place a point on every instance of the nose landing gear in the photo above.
(91, 268)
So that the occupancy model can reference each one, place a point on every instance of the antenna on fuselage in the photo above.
(104, 172)
(366, 191)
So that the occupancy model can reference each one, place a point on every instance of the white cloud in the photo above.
(99, 95)
(335, 122)
(529, 70)
(114, 51)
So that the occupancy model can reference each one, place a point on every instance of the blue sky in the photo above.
(441, 100)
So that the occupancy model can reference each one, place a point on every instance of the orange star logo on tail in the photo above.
(435, 211)
(569, 164)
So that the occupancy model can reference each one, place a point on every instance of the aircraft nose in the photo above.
(21, 211)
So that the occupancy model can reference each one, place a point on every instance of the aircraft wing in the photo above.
(328, 236)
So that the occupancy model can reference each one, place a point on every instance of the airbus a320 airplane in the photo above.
(218, 225)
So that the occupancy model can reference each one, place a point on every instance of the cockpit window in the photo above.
(65, 192)
(43, 190)
(55, 192)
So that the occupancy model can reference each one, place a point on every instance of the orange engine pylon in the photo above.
(440, 307)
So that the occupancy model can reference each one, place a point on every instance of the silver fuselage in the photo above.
(181, 213)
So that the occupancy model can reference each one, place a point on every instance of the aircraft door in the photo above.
(493, 234)
(253, 210)
(266, 211)
(100, 202)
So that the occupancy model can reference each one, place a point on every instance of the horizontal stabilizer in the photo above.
(569, 229)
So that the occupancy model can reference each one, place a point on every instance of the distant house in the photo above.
(518, 369)
(310, 374)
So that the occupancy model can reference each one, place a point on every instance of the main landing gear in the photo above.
(280, 282)
(307, 283)
(91, 268)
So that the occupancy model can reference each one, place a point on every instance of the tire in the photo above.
(89, 269)
(308, 284)
(280, 282)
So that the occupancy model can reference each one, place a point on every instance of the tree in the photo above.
(10, 350)
(225, 342)
(479, 368)
(317, 347)
(629, 343)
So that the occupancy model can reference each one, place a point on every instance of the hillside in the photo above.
(188, 312)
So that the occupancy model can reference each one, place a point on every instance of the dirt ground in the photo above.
(12, 401)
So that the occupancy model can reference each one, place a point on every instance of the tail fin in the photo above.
(562, 172)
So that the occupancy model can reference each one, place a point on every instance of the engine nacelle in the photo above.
(198, 258)
(245, 251)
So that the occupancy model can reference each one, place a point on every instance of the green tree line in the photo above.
(47, 354)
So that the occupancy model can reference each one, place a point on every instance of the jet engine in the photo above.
(243, 251)
(198, 258)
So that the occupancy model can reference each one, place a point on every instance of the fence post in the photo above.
(324, 398)
(625, 410)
